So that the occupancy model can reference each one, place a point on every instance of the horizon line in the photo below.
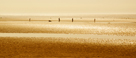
(66, 14)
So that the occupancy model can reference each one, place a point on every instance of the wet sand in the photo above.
(105, 28)
(105, 38)
(39, 47)
(65, 35)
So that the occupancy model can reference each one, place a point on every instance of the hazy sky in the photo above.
(66, 6)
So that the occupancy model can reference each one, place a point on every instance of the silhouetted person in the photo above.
(94, 20)
(59, 19)
(29, 19)
(49, 20)
(80, 17)
(72, 19)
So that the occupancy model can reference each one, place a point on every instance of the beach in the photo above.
(106, 37)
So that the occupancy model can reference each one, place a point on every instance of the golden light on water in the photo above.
(61, 37)
(76, 28)
(67, 28)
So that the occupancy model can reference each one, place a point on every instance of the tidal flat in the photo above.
(121, 29)
(49, 47)
(47, 37)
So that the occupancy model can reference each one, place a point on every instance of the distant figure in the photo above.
(29, 19)
(72, 19)
(49, 20)
(80, 17)
(94, 20)
(108, 22)
(59, 19)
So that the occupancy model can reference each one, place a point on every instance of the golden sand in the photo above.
(35, 47)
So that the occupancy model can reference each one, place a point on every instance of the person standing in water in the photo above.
(59, 19)
(72, 19)
(29, 19)
(94, 20)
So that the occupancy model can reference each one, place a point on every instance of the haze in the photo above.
(66, 6)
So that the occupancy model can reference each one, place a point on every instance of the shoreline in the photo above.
(65, 35)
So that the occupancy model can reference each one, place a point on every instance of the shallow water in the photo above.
(65, 35)
(18, 47)
(8, 22)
